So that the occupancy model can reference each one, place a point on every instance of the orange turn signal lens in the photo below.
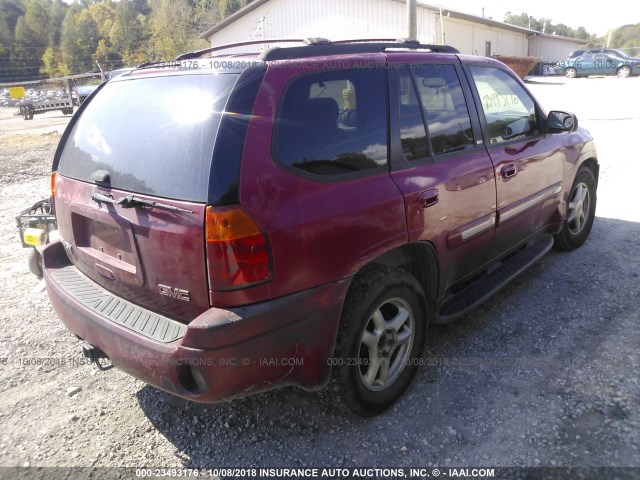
(53, 183)
(228, 225)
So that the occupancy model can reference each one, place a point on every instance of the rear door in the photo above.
(441, 166)
(528, 165)
(143, 139)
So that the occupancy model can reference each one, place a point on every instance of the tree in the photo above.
(5, 35)
(57, 11)
(229, 7)
(546, 26)
(627, 36)
(53, 64)
(69, 41)
(173, 29)
(126, 33)
(87, 41)
(207, 14)
(36, 18)
(103, 14)
(107, 57)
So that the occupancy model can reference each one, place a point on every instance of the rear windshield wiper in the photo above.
(133, 202)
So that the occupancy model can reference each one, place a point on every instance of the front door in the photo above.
(528, 165)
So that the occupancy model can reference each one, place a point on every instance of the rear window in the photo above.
(153, 135)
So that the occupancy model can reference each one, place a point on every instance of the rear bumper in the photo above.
(223, 353)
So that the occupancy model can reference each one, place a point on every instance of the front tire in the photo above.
(581, 211)
(381, 337)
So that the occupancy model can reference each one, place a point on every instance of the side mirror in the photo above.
(561, 122)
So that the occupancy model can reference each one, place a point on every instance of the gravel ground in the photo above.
(546, 374)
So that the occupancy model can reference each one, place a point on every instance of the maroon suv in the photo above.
(232, 224)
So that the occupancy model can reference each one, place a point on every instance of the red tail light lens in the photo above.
(238, 253)
(53, 192)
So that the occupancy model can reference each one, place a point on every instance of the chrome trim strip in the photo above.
(512, 212)
(481, 227)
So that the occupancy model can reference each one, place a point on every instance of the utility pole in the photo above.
(412, 19)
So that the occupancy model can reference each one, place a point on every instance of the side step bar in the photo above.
(485, 287)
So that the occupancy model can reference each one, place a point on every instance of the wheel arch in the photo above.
(593, 165)
(418, 259)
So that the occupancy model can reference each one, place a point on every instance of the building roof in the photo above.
(445, 11)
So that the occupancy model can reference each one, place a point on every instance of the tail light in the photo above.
(53, 191)
(238, 253)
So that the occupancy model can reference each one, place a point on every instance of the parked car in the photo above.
(230, 225)
(598, 64)
(609, 51)
(615, 52)
(82, 92)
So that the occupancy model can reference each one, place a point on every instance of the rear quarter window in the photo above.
(334, 122)
(153, 135)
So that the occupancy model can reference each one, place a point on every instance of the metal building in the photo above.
(345, 19)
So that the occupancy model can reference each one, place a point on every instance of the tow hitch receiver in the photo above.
(95, 355)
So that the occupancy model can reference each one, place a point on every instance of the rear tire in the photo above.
(380, 340)
(581, 211)
(624, 71)
(570, 72)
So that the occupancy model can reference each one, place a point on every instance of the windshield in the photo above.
(153, 135)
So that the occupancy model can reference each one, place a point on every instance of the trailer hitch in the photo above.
(95, 355)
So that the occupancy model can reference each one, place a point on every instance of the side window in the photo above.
(412, 132)
(445, 108)
(509, 110)
(334, 122)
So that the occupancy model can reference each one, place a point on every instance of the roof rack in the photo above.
(350, 46)
(204, 51)
(321, 46)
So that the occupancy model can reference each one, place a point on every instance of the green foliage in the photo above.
(126, 33)
(229, 7)
(627, 38)
(55, 37)
(544, 25)
(172, 27)
(5, 35)
(53, 64)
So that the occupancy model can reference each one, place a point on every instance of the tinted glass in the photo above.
(334, 122)
(153, 135)
(509, 111)
(412, 132)
(445, 107)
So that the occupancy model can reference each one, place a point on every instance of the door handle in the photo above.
(428, 198)
(508, 171)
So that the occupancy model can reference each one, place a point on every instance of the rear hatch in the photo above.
(143, 139)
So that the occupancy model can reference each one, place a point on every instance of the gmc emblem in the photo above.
(176, 293)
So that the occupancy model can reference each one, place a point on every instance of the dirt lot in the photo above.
(546, 374)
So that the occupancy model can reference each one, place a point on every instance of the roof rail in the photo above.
(321, 46)
(350, 46)
(204, 51)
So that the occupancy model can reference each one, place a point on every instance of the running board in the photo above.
(484, 288)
